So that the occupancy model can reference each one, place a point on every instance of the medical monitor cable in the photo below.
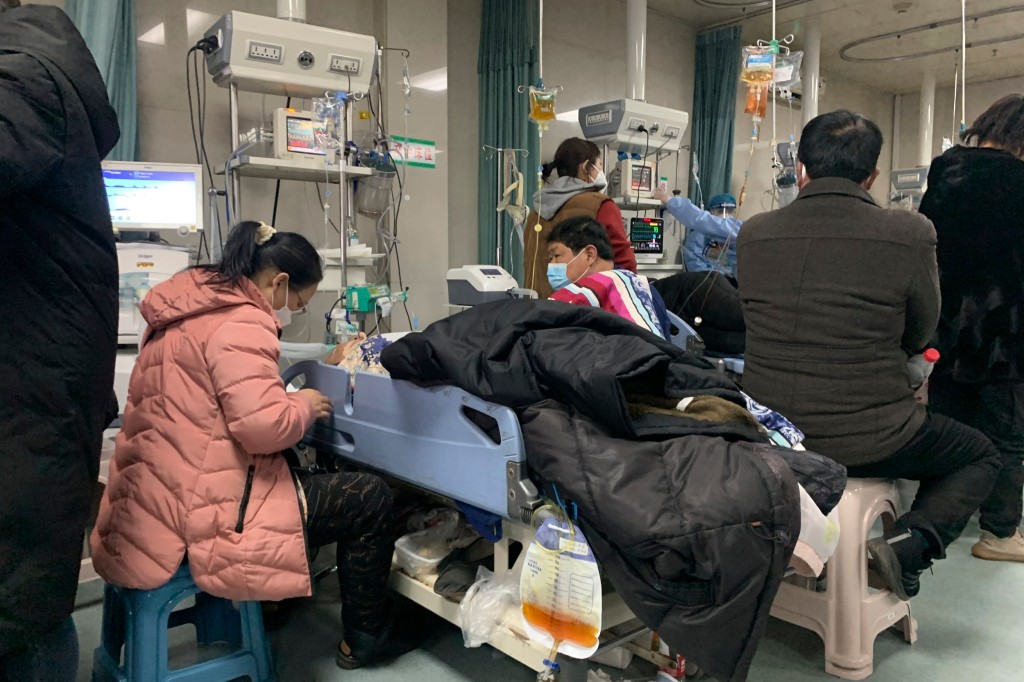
(198, 111)
(392, 248)
(277, 184)
(647, 149)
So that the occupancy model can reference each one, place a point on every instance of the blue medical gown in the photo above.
(703, 228)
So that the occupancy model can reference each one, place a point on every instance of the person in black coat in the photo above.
(975, 198)
(58, 334)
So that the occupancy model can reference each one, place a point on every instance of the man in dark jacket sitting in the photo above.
(58, 334)
(837, 293)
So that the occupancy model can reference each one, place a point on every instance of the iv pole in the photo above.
(500, 154)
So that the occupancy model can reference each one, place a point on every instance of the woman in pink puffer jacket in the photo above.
(198, 467)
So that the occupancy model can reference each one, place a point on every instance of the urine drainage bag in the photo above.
(561, 590)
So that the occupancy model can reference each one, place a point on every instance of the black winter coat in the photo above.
(714, 300)
(975, 198)
(58, 312)
(692, 522)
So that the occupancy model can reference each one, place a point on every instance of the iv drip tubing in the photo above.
(963, 62)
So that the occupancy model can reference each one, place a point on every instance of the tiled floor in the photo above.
(970, 627)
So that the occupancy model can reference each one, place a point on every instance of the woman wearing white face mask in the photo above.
(198, 466)
(577, 191)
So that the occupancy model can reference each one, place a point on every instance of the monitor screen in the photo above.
(154, 196)
(302, 136)
(642, 178)
(647, 235)
(491, 272)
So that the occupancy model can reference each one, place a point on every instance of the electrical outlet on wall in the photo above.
(265, 52)
(342, 64)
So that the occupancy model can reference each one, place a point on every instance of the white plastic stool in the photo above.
(847, 615)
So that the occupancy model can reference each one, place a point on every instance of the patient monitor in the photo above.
(637, 179)
(297, 135)
(154, 196)
(647, 237)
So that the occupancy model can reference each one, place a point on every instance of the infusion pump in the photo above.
(475, 284)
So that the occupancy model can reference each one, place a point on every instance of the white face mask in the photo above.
(284, 313)
(600, 181)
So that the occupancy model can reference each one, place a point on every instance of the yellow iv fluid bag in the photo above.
(561, 590)
(757, 65)
(542, 106)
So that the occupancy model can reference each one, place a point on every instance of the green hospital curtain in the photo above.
(108, 27)
(508, 59)
(714, 109)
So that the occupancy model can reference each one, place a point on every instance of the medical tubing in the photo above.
(963, 63)
(536, 521)
(956, 82)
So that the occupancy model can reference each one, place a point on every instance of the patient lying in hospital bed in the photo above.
(360, 354)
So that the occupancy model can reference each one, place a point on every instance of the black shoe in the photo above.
(900, 561)
(371, 648)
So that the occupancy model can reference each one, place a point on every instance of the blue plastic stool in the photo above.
(138, 620)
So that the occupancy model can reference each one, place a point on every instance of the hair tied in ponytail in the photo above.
(263, 233)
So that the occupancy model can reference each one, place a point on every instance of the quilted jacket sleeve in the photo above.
(242, 356)
(31, 124)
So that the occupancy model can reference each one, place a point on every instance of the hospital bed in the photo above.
(447, 442)
(686, 337)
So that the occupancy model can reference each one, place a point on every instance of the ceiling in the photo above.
(897, 29)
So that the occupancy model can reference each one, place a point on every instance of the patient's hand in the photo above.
(338, 354)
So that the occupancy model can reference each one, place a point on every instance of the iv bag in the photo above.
(542, 106)
(328, 112)
(757, 65)
(561, 590)
(787, 70)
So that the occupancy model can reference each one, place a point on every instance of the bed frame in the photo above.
(449, 443)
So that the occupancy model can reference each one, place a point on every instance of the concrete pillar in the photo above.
(636, 48)
(812, 70)
(926, 123)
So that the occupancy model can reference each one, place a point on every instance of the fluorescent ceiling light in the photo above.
(197, 22)
(436, 80)
(570, 116)
(154, 36)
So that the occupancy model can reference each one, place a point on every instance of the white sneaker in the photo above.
(999, 549)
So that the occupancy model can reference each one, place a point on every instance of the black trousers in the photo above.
(354, 510)
(997, 410)
(956, 465)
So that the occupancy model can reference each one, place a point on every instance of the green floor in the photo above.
(969, 614)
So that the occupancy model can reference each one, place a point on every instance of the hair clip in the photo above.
(264, 233)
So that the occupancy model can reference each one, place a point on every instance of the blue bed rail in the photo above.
(424, 436)
(687, 338)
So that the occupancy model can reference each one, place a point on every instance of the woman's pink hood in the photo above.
(188, 294)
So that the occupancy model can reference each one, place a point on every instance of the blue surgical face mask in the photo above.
(558, 275)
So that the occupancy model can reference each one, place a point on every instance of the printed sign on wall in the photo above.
(413, 152)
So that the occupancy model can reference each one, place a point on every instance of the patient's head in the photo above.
(582, 245)
(839, 144)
